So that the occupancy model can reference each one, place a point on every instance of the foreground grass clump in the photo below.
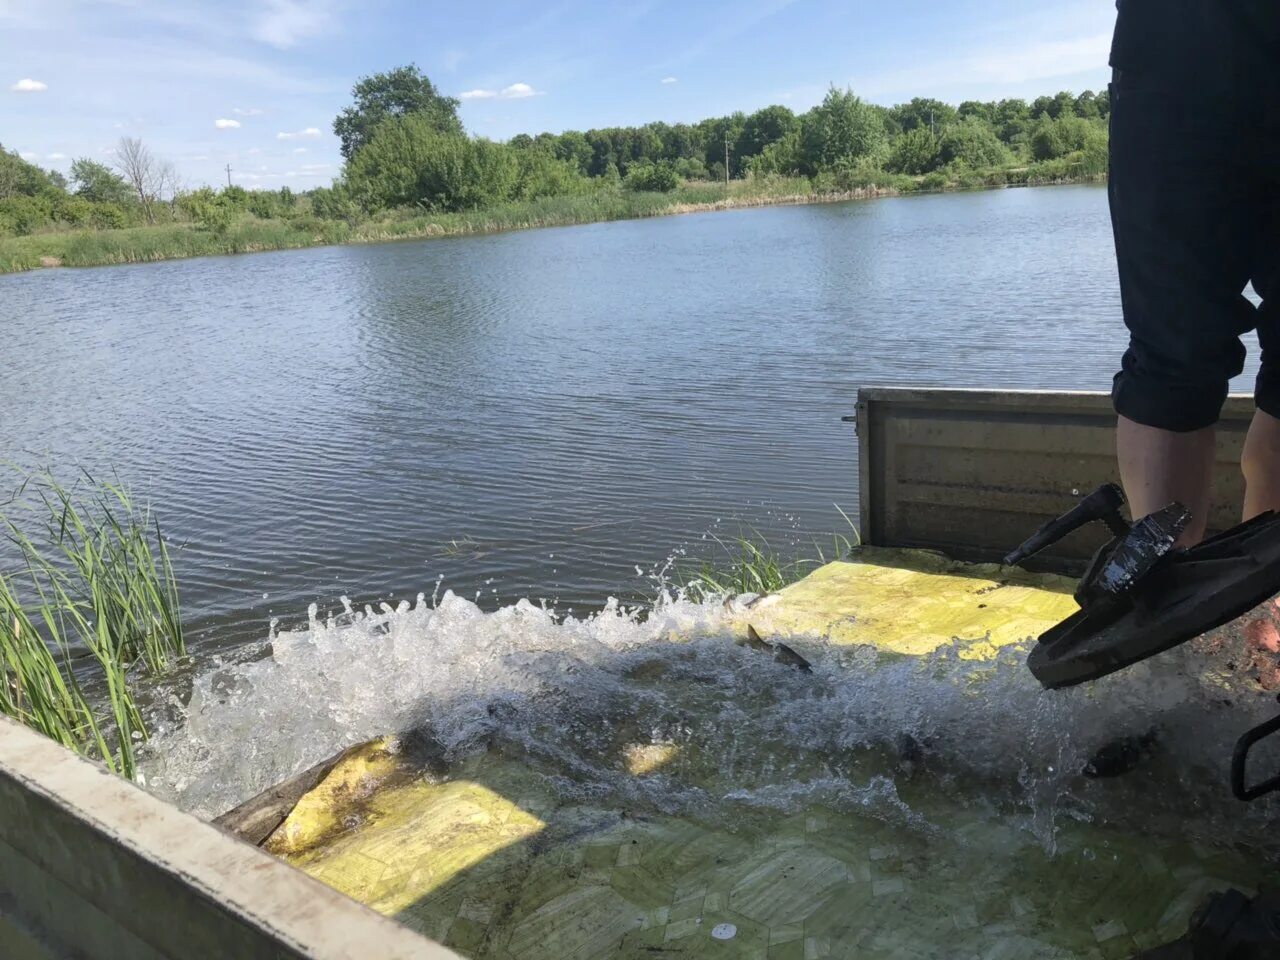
(749, 564)
(93, 603)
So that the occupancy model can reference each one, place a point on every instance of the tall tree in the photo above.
(142, 172)
(19, 177)
(844, 127)
(1086, 106)
(972, 143)
(1012, 120)
(923, 112)
(401, 92)
(98, 182)
(978, 108)
(914, 152)
(762, 128)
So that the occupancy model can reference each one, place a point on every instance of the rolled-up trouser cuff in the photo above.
(1181, 408)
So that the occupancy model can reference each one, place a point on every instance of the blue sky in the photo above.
(256, 83)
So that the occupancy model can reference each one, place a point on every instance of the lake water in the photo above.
(548, 414)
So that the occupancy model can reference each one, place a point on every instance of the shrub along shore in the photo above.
(173, 241)
(411, 170)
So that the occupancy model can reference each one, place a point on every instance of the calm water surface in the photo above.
(541, 413)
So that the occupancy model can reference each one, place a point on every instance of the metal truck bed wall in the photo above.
(974, 472)
(93, 868)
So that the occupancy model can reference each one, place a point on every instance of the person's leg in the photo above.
(1260, 460)
(1260, 463)
(1158, 467)
(1182, 213)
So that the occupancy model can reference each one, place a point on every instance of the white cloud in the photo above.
(27, 85)
(222, 123)
(285, 23)
(29, 155)
(299, 149)
(56, 156)
(517, 91)
(310, 133)
(254, 151)
(315, 166)
(669, 80)
(247, 111)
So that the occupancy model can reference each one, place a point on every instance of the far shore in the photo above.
(172, 241)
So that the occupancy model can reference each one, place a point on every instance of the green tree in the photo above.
(334, 203)
(542, 174)
(1053, 139)
(923, 112)
(976, 108)
(1012, 120)
(914, 152)
(20, 178)
(573, 148)
(22, 214)
(762, 128)
(411, 161)
(1086, 106)
(974, 144)
(842, 127)
(685, 141)
(713, 132)
(99, 183)
(404, 91)
(783, 157)
(215, 212)
(654, 177)
(691, 168)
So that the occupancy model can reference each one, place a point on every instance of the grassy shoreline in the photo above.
(91, 248)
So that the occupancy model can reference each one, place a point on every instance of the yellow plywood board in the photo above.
(914, 601)
(493, 861)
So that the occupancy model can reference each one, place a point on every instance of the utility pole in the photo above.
(228, 174)
(726, 163)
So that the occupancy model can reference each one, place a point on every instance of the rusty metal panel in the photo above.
(973, 472)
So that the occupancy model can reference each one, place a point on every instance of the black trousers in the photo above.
(1195, 205)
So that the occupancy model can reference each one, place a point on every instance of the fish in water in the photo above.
(1120, 755)
(780, 651)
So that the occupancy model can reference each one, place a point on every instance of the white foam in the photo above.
(864, 731)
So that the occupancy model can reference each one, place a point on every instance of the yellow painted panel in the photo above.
(913, 601)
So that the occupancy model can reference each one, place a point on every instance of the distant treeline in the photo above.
(407, 153)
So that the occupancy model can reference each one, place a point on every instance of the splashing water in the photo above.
(728, 730)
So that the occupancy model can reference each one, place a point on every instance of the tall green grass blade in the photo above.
(98, 581)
